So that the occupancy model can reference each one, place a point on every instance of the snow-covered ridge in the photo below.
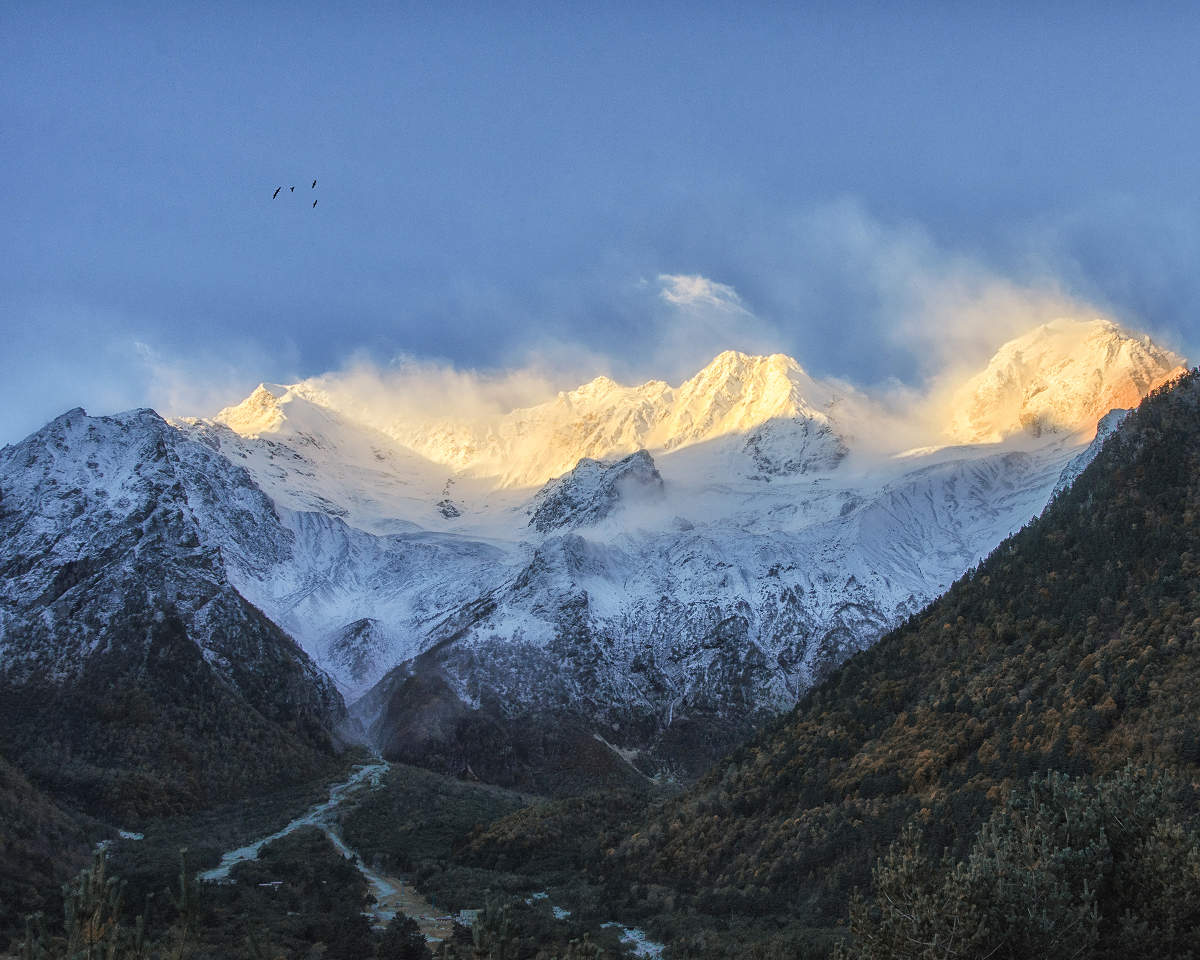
(599, 420)
(604, 420)
(1059, 378)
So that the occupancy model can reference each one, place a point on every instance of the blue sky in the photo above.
(866, 187)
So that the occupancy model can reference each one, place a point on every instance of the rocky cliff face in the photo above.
(593, 490)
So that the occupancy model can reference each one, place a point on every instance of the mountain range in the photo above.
(655, 569)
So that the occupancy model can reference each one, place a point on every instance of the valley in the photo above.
(668, 567)
(388, 895)
(641, 706)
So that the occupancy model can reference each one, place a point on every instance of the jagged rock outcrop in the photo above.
(593, 490)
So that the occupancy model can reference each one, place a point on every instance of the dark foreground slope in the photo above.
(1074, 647)
(42, 846)
(135, 680)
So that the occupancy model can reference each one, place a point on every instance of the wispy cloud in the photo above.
(200, 383)
(882, 305)
(415, 389)
(863, 298)
(699, 318)
(693, 291)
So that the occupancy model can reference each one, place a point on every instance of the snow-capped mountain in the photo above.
(730, 398)
(119, 542)
(667, 564)
(1059, 378)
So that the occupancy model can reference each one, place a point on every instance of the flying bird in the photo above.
(314, 204)
(314, 186)
(293, 189)
(276, 193)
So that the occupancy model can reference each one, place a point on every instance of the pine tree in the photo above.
(1065, 868)
(91, 923)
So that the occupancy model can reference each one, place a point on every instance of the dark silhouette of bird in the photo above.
(293, 189)
(314, 204)
(314, 186)
(276, 193)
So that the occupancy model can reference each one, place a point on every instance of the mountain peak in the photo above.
(261, 412)
(734, 361)
(596, 388)
(1060, 377)
(738, 391)
(275, 408)
(75, 413)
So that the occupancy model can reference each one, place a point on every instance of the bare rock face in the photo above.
(593, 490)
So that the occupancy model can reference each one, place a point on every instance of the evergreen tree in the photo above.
(403, 940)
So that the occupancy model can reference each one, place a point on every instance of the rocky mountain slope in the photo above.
(662, 567)
(134, 678)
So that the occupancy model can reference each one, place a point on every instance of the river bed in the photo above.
(391, 894)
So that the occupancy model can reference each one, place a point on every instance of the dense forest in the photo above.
(42, 844)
